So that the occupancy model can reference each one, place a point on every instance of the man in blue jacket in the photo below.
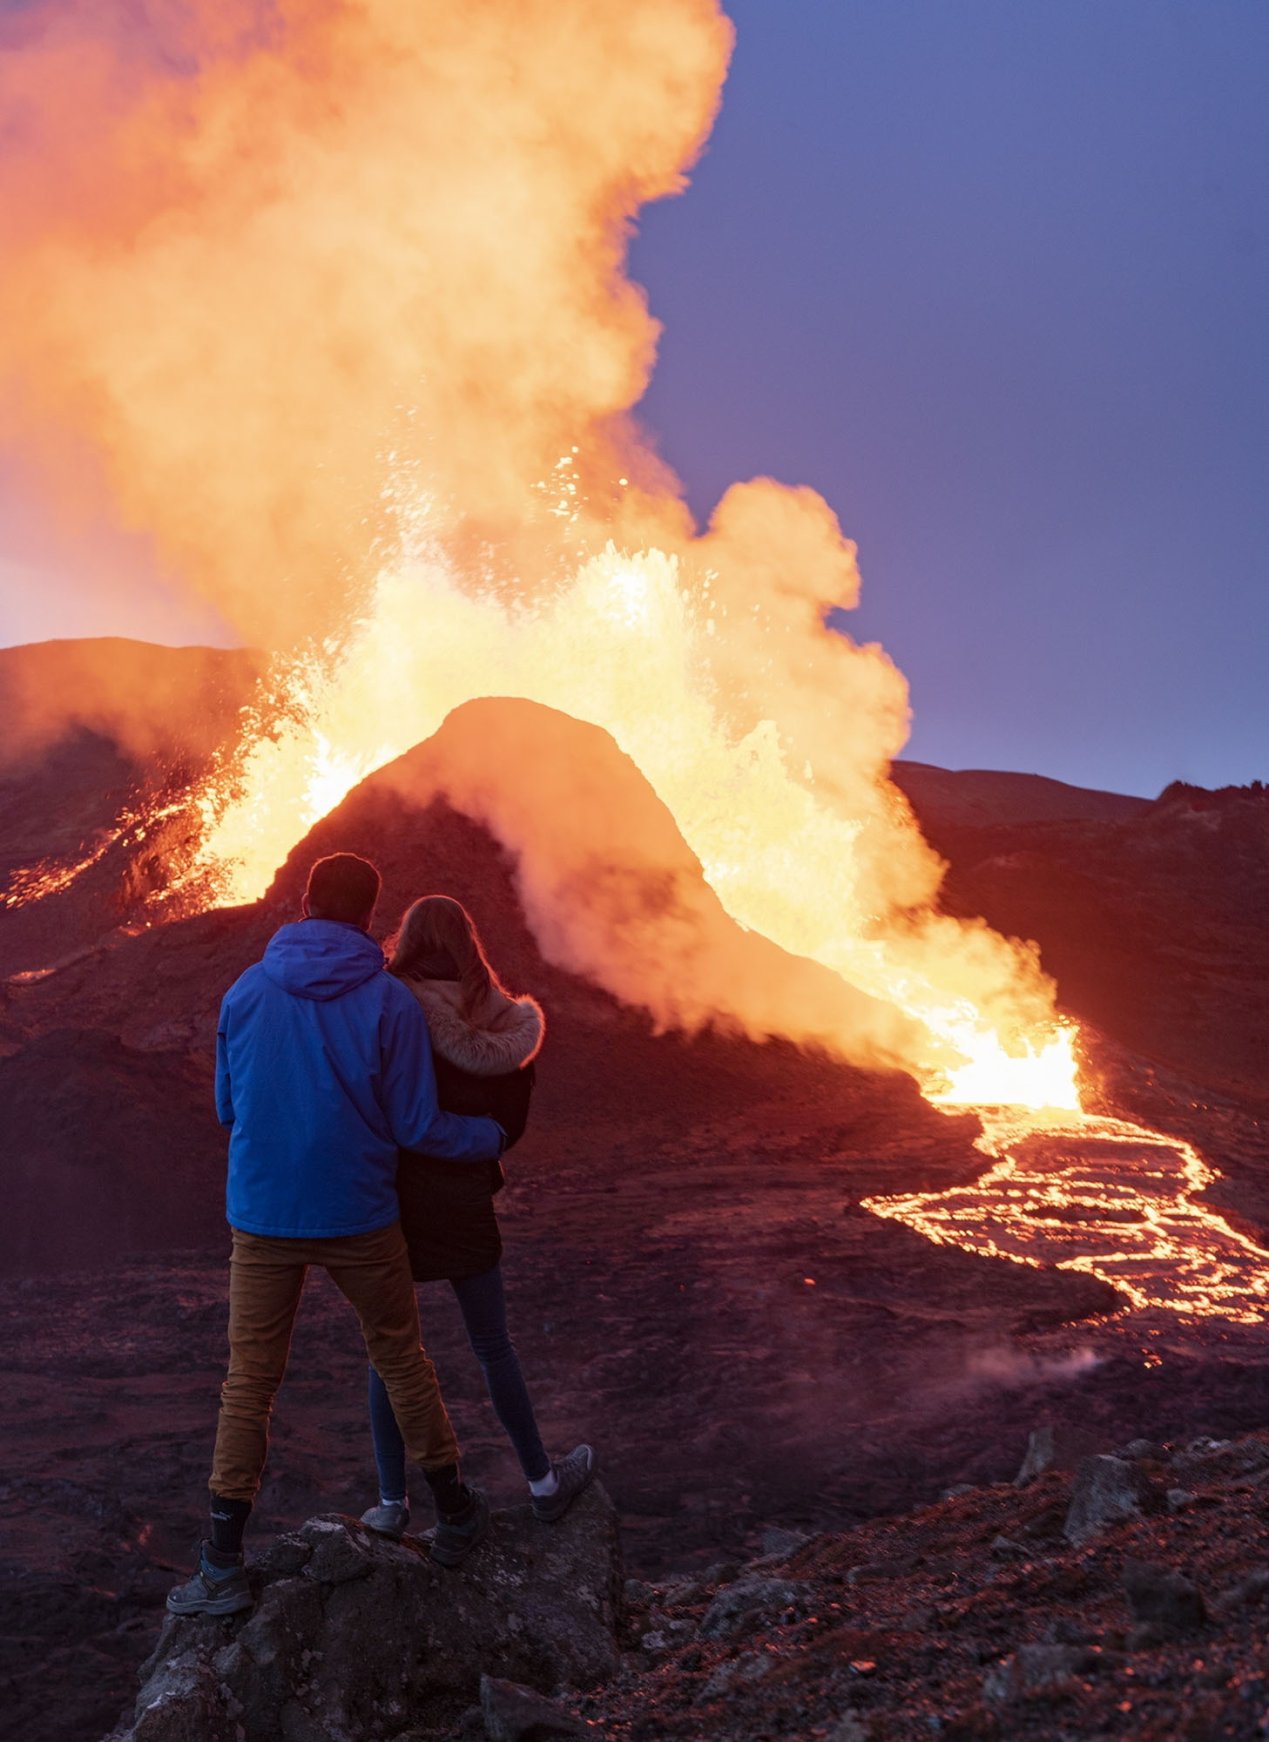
(323, 1071)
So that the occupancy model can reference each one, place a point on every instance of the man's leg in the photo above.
(266, 1278)
(372, 1272)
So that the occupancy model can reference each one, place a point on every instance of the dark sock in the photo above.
(216, 1563)
(228, 1521)
(452, 1495)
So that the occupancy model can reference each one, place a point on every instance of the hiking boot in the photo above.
(389, 1518)
(454, 1541)
(212, 1591)
(573, 1473)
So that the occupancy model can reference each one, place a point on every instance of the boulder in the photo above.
(751, 1603)
(1249, 1591)
(1037, 1669)
(352, 1634)
(1160, 1597)
(1055, 1446)
(1107, 1491)
(514, 1713)
(737, 1674)
(778, 1541)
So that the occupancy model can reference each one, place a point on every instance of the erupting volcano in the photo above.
(363, 371)
(884, 1112)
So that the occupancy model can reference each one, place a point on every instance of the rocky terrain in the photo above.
(1114, 1594)
(695, 1285)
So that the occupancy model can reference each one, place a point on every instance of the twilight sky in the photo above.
(993, 275)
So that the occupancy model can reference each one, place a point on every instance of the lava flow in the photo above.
(1085, 1192)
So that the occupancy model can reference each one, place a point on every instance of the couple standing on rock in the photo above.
(367, 1113)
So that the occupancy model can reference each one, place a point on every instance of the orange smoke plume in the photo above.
(251, 249)
(336, 291)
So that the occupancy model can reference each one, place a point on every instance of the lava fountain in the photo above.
(336, 294)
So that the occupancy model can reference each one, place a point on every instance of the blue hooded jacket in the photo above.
(323, 1070)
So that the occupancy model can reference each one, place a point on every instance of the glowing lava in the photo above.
(1101, 1195)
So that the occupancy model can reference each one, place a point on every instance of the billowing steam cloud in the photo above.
(335, 290)
(251, 245)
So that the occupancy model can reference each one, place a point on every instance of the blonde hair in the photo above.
(437, 940)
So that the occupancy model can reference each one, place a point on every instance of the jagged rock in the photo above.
(778, 1541)
(514, 1713)
(1033, 1668)
(182, 1700)
(1055, 1446)
(1040, 1453)
(747, 1602)
(878, 1572)
(1163, 1598)
(850, 1728)
(1004, 1548)
(749, 1667)
(1248, 1591)
(352, 1633)
(669, 1633)
(1139, 1449)
(1107, 1491)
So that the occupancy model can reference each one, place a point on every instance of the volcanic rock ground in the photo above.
(695, 1287)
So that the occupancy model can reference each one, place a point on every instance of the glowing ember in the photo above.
(50, 876)
(1104, 1196)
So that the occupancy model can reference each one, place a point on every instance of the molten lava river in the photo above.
(1102, 1195)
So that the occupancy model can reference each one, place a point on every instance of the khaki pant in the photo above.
(266, 1279)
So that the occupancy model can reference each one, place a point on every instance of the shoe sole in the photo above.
(213, 1605)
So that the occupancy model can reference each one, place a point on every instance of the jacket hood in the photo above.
(506, 1040)
(321, 959)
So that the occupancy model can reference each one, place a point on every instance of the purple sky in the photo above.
(993, 275)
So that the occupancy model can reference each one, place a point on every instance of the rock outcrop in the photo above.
(1107, 1491)
(353, 1635)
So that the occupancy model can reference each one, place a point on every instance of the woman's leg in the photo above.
(388, 1443)
(482, 1302)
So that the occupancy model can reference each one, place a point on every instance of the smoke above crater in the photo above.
(335, 294)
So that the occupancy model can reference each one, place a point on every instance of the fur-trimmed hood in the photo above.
(504, 1042)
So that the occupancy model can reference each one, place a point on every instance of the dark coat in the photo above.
(447, 1210)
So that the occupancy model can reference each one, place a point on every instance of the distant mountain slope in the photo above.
(983, 797)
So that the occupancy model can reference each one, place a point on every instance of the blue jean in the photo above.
(482, 1302)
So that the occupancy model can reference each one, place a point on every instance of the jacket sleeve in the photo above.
(224, 1088)
(408, 1094)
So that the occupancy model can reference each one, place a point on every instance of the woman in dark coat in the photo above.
(484, 1043)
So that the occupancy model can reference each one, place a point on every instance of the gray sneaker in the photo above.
(452, 1543)
(212, 1591)
(574, 1474)
(389, 1518)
